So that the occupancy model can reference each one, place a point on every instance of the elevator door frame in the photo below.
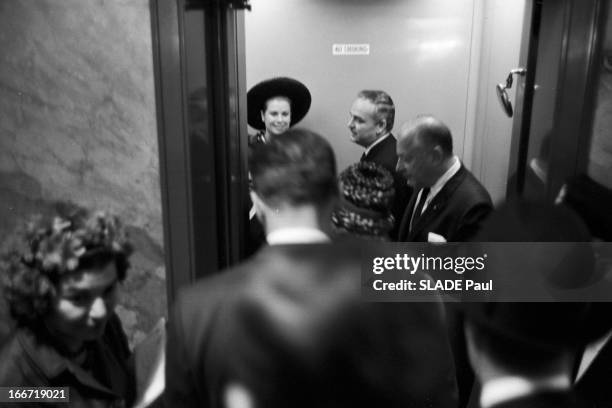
(579, 41)
(202, 171)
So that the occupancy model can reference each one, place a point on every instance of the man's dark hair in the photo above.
(385, 109)
(297, 168)
(517, 357)
(433, 132)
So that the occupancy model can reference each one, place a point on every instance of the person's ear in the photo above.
(437, 155)
(260, 206)
(236, 395)
(381, 127)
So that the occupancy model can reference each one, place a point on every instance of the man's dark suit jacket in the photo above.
(385, 154)
(456, 212)
(199, 348)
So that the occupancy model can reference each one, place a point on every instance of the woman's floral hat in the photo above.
(366, 194)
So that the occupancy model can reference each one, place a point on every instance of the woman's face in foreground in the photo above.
(277, 115)
(83, 304)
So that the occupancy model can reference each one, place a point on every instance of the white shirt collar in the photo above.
(435, 189)
(590, 352)
(296, 235)
(377, 141)
(536, 165)
(507, 388)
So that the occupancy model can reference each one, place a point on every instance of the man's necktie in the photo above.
(416, 214)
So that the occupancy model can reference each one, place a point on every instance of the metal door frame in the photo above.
(573, 115)
(193, 247)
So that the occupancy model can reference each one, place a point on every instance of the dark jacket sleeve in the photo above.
(471, 222)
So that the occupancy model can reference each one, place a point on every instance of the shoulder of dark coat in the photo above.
(15, 369)
(472, 190)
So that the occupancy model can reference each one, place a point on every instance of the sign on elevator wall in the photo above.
(351, 49)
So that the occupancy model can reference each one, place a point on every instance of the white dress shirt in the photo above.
(435, 189)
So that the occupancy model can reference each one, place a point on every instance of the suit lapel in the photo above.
(437, 204)
(403, 234)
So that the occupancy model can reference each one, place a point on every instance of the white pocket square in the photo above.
(435, 238)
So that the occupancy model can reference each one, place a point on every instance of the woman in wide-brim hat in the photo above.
(274, 105)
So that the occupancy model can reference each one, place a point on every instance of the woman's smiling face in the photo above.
(277, 115)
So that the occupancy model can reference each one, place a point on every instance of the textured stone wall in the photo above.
(77, 122)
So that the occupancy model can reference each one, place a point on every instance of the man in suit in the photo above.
(448, 203)
(524, 353)
(372, 117)
(294, 189)
(271, 331)
(304, 338)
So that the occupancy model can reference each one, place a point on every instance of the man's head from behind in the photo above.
(424, 148)
(292, 172)
(371, 116)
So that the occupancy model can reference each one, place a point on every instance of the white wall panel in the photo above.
(420, 53)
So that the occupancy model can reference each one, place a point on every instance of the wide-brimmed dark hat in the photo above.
(290, 88)
(551, 325)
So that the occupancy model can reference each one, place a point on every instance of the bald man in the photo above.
(448, 204)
